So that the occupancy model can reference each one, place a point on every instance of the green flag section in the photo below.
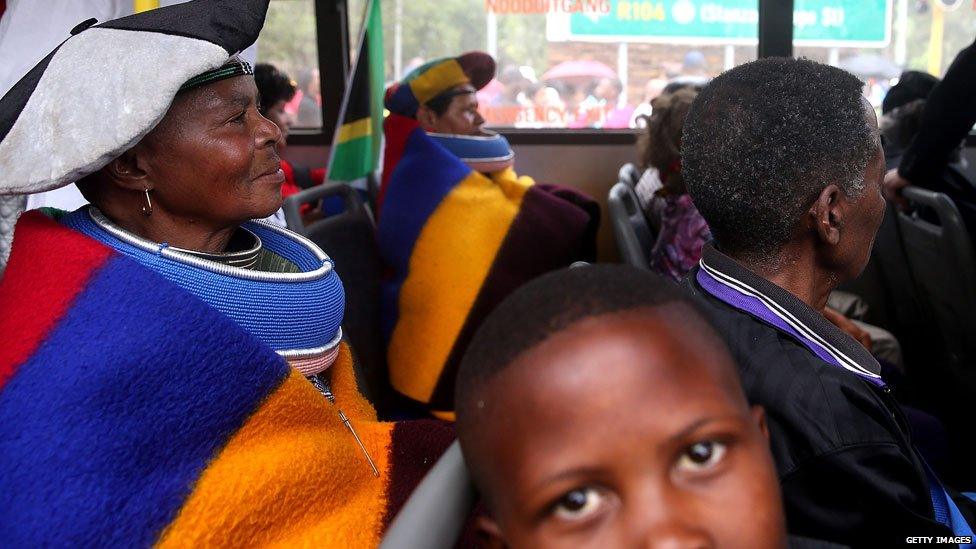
(828, 23)
(358, 135)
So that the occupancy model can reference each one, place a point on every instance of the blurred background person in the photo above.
(310, 107)
(948, 117)
(547, 106)
(682, 230)
(609, 92)
(514, 86)
(653, 88)
(276, 90)
(692, 69)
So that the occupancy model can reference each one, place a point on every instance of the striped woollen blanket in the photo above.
(134, 414)
(455, 243)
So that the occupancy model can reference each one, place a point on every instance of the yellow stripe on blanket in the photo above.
(293, 475)
(450, 261)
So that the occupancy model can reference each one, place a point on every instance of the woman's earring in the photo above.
(147, 207)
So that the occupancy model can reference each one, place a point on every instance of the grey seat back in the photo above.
(630, 229)
(940, 258)
(349, 239)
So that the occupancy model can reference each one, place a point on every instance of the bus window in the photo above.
(288, 42)
(571, 63)
(878, 39)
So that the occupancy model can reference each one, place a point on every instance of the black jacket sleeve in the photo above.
(950, 113)
(869, 494)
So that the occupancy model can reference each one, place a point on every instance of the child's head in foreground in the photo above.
(596, 407)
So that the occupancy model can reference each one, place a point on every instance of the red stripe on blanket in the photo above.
(50, 260)
(396, 130)
(416, 446)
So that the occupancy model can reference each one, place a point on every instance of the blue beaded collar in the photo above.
(484, 153)
(296, 314)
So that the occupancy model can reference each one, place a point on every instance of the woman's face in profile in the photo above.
(213, 159)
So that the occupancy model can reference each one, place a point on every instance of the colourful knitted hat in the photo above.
(436, 77)
(107, 85)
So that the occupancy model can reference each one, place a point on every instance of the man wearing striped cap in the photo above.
(458, 229)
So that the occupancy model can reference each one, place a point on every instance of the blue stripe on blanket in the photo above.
(426, 173)
(135, 360)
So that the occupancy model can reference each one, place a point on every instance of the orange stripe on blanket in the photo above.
(449, 264)
(293, 475)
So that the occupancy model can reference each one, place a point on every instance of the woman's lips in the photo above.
(276, 177)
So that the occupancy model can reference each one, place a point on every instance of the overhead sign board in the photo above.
(830, 23)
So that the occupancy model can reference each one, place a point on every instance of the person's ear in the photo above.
(759, 417)
(489, 534)
(827, 214)
(426, 118)
(129, 171)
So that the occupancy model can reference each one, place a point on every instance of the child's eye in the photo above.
(579, 504)
(701, 455)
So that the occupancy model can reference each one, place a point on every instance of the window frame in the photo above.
(332, 36)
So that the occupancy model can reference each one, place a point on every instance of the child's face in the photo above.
(625, 431)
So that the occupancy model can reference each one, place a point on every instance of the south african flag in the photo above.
(356, 143)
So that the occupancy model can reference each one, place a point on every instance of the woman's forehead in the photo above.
(206, 103)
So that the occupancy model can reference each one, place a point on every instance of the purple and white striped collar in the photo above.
(730, 282)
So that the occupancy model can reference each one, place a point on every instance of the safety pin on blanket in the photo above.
(327, 391)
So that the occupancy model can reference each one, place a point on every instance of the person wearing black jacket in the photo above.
(783, 159)
(950, 112)
(898, 128)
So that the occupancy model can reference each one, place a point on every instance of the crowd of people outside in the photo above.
(588, 95)
(178, 372)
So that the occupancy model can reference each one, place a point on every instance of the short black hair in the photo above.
(546, 306)
(763, 139)
(440, 103)
(273, 86)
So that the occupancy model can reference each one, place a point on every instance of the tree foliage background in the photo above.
(288, 37)
(442, 28)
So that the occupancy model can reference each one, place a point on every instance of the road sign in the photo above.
(829, 23)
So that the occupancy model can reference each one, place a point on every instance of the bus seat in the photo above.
(629, 174)
(633, 235)
(437, 510)
(349, 239)
(943, 268)
(889, 289)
